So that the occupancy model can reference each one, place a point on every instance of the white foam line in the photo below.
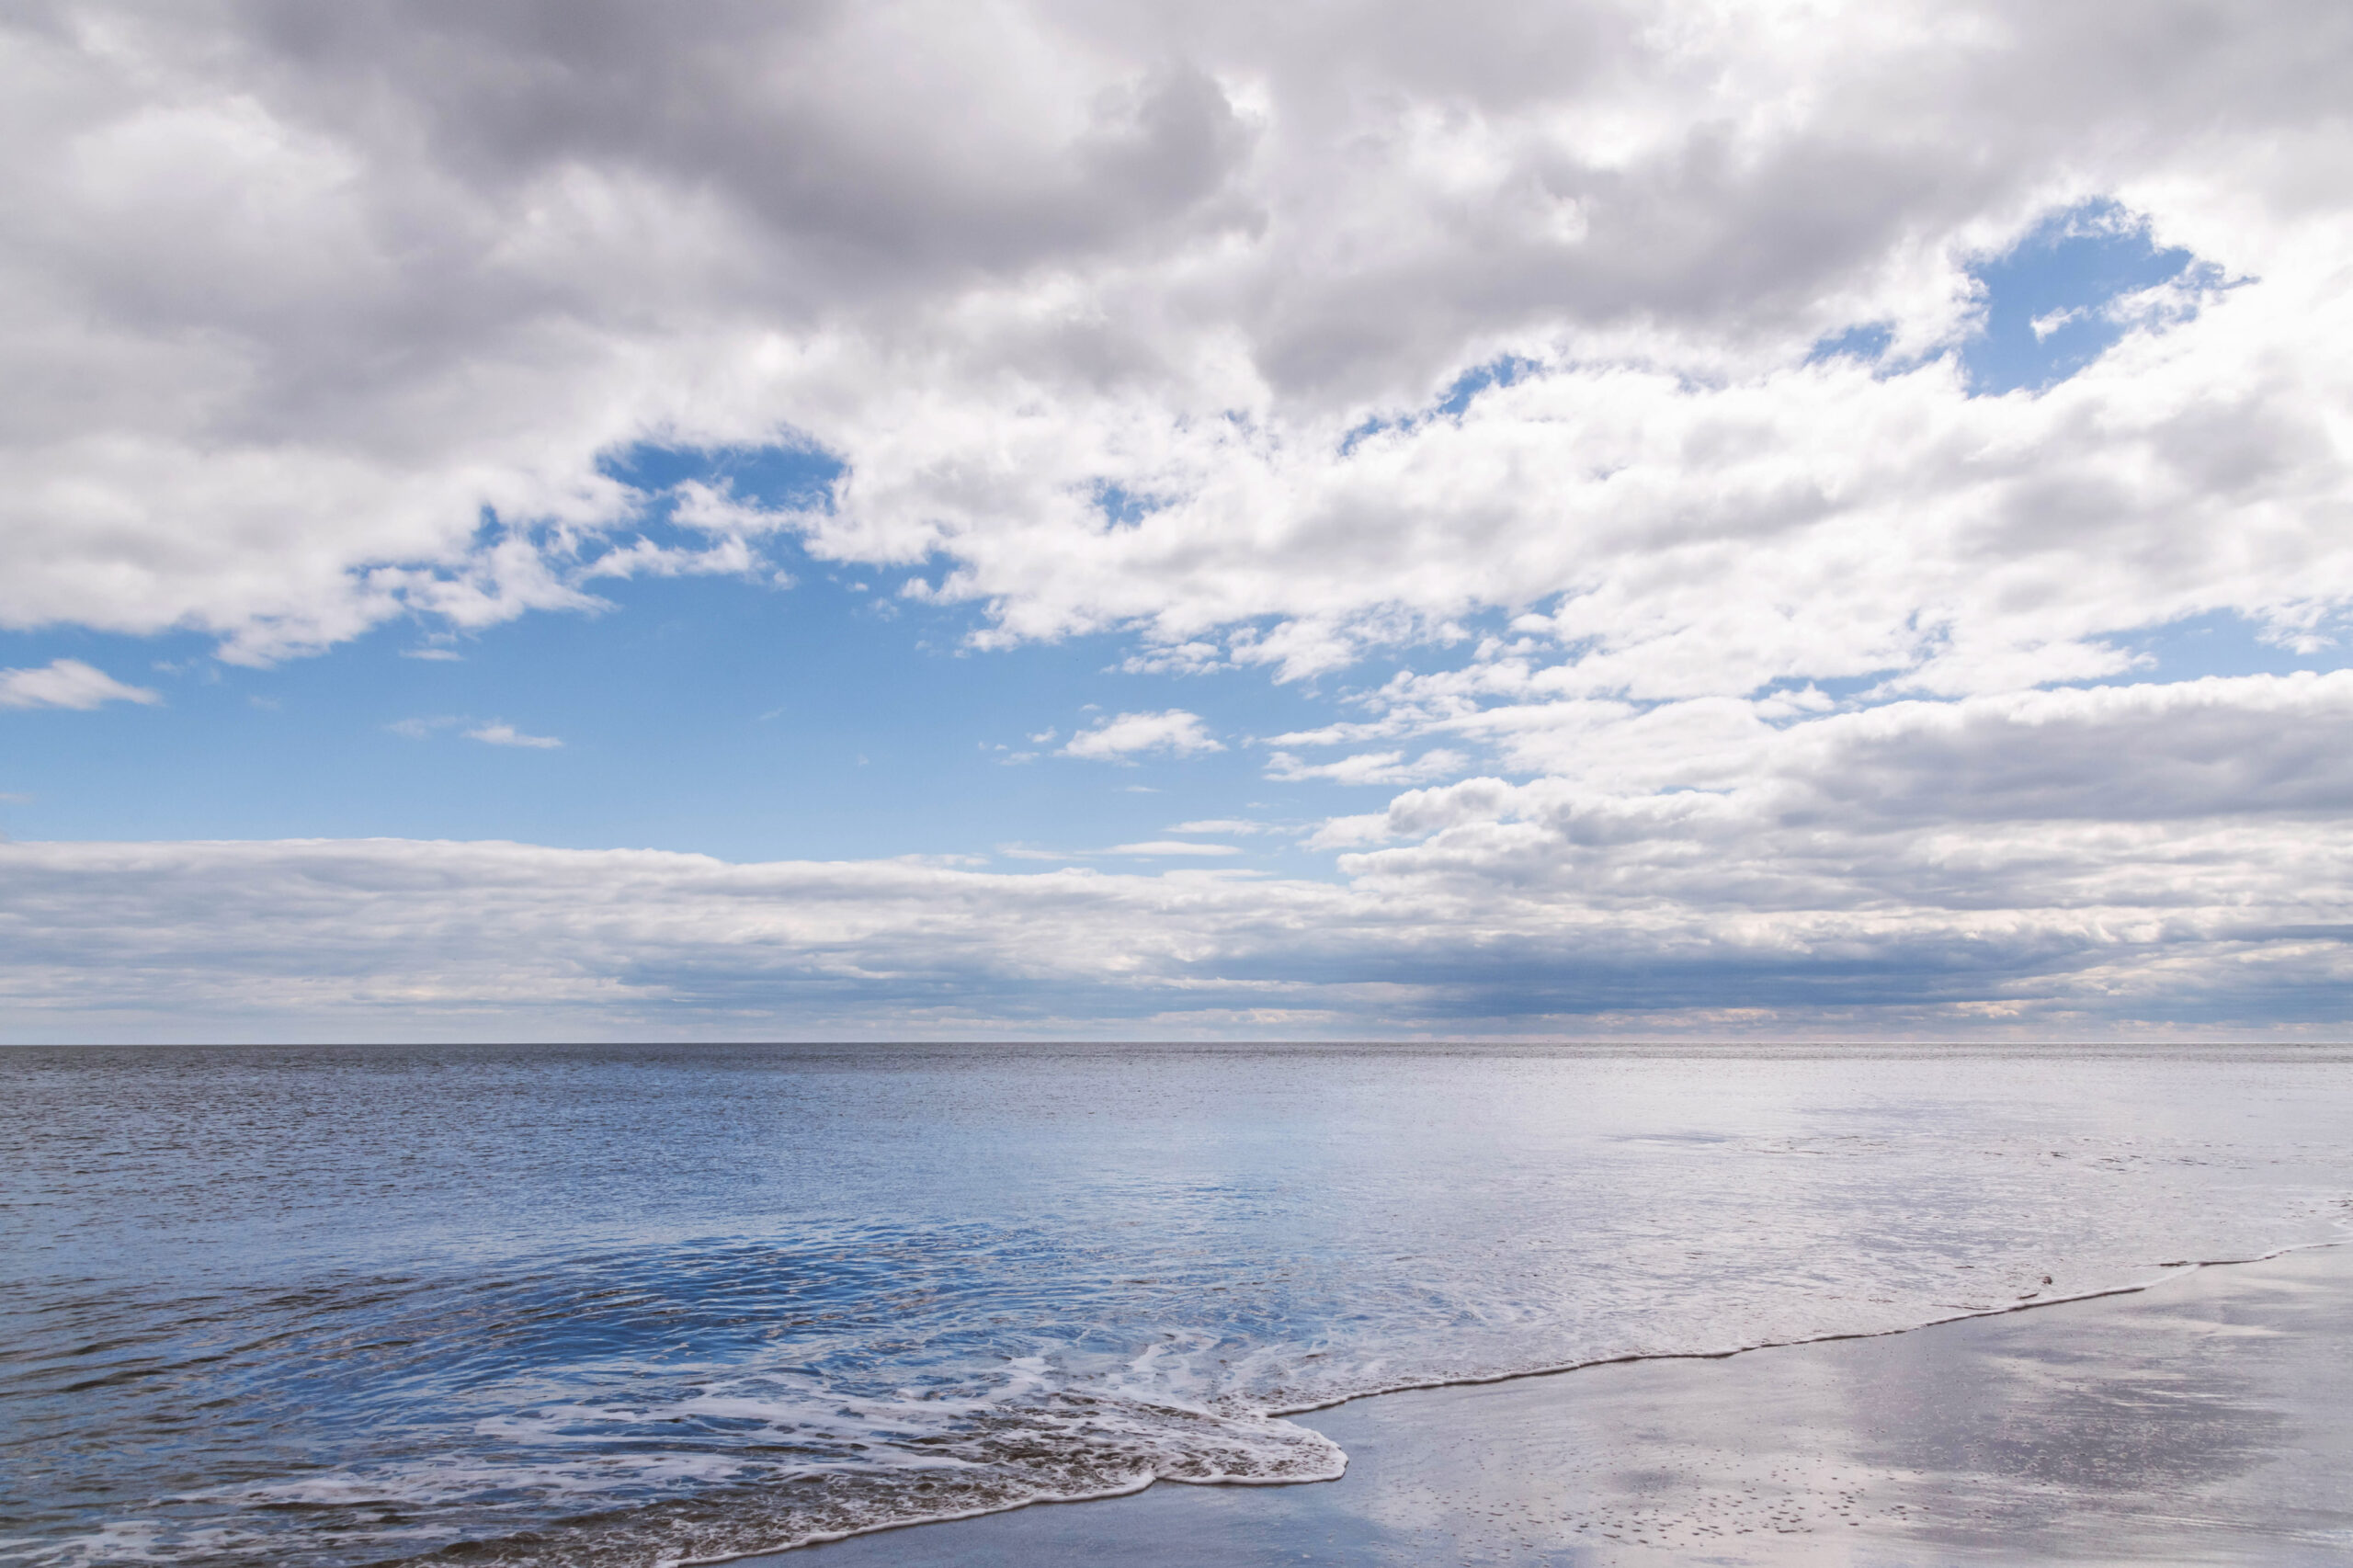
(2173, 1271)
(824, 1537)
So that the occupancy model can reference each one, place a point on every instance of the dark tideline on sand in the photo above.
(2209, 1419)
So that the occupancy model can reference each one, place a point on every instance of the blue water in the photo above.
(654, 1305)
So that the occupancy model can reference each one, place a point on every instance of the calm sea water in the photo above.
(654, 1305)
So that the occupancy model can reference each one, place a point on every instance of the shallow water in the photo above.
(630, 1304)
(2202, 1421)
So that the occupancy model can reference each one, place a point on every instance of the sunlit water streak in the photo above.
(588, 1305)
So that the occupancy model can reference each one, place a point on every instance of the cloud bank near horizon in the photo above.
(1674, 371)
(1925, 870)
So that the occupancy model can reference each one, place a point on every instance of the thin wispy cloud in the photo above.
(1370, 768)
(1152, 848)
(504, 734)
(67, 683)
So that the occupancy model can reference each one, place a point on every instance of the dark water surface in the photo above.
(642, 1304)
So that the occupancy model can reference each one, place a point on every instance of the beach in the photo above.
(2206, 1419)
(841, 1289)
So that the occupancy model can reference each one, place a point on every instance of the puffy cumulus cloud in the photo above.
(1825, 521)
(67, 683)
(1128, 736)
(1144, 317)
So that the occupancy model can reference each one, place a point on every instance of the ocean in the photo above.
(657, 1304)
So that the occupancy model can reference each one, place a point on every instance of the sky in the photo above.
(798, 520)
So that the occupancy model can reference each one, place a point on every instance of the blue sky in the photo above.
(1889, 579)
(718, 716)
(724, 718)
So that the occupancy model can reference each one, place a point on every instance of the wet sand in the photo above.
(2209, 1419)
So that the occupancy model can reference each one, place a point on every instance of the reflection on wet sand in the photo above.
(2209, 1419)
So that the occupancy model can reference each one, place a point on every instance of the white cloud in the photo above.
(1950, 829)
(1535, 911)
(1126, 736)
(1225, 824)
(1034, 852)
(2052, 321)
(67, 683)
(1162, 846)
(1006, 268)
(502, 734)
(1369, 767)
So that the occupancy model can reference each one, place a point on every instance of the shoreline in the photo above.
(1134, 1523)
(2173, 1271)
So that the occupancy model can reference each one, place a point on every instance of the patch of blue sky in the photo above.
(711, 714)
(774, 476)
(2217, 644)
(1498, 372)
(1868, 341)
(2223, 643)
(1123, 508)
(1454, 402)
(829, 719)
(2052, 302)
(832, 719)
(1839, 689)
